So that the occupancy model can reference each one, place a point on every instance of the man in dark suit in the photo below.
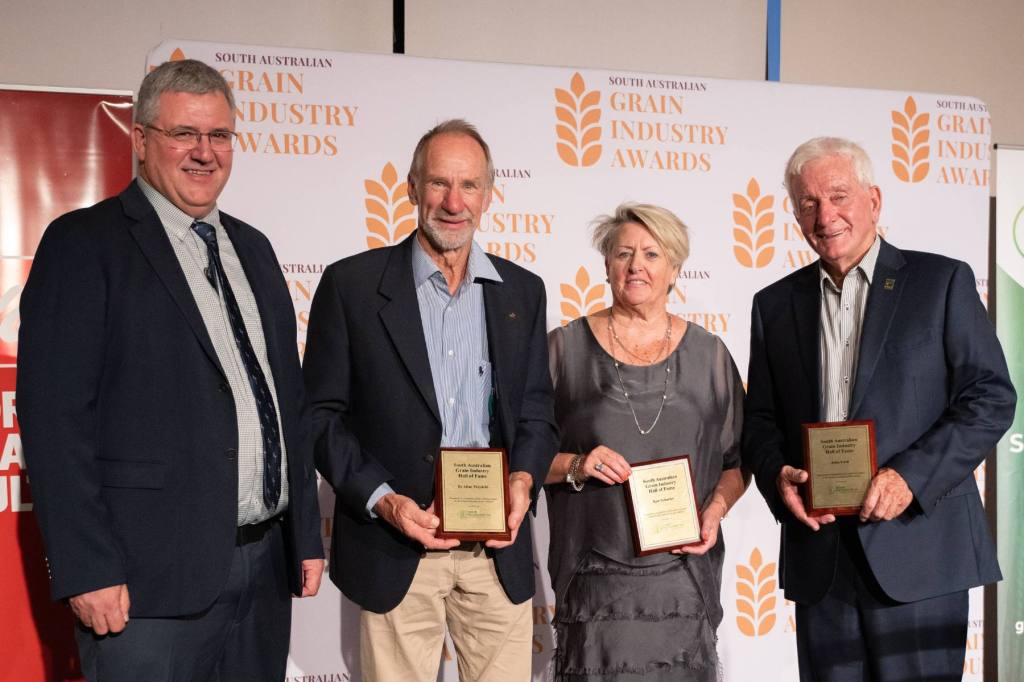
(899, 337)
(163, 412)
(431, 343)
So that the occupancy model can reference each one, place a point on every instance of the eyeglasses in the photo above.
(186, 139)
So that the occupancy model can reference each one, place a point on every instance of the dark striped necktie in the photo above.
(260, 390)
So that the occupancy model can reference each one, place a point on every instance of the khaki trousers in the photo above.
(460, 588)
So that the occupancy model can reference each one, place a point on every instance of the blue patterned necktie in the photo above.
(260, 390)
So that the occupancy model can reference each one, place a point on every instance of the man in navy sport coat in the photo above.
(873, 332)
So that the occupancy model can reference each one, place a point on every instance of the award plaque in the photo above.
(662, 505)
(840, 460)
(471, 496)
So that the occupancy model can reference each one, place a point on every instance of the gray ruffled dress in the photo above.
(619, 616)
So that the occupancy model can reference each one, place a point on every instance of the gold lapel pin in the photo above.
(890, 284)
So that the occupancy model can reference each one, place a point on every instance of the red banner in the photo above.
(59, 151)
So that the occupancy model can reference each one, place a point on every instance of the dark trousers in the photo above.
(242, 636)
(857, 634)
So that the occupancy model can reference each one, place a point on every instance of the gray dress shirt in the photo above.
(842, 317)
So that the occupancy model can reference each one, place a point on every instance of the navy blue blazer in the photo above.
(932, 375)
(375, 415)
(127, 420)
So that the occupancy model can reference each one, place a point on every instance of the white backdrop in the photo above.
(326, 143)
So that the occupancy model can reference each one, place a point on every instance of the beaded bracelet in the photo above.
(574, 468)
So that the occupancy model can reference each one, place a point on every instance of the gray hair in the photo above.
(667, 229)
(185, 75)
(453, 126)
(820, 147)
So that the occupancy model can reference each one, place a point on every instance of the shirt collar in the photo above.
(177, 223)
(866, 265)
(479, 266)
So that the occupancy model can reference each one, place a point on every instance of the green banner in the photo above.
(1009, 300)
(1010, 488)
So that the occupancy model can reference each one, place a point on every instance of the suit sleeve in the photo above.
(981, 399)
(762, 439)
(352, 472)
(305, 503)
(310, 544)
(61, 347)
(536, 435)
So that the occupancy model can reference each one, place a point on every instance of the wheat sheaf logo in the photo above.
(753, 219)
(389, 213)
(581, 298)
(910, 148)
(579, 123)
(176, 56)
(755, 596)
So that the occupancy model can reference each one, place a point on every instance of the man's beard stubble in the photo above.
(442, 240)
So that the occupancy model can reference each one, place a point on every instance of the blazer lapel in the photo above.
(249, 258)
(883, 297)
(806, 298)
(401, 319)
(505, 325)
(152, 239)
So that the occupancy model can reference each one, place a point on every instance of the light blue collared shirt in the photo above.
(455, 330)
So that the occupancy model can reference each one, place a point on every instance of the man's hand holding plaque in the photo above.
(472, 495)
(662, 505)
(840, 460)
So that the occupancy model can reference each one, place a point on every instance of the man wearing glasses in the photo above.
(163, 415)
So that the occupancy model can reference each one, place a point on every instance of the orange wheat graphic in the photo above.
(389, 213)
(755, 596)
(581, 299)
(176, 56)
(752, 229)
(578, 127)
(910, 146)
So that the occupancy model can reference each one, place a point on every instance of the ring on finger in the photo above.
(599, 466)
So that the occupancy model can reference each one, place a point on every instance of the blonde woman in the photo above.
(634, 382)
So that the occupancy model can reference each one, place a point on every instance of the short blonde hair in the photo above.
(667, 229)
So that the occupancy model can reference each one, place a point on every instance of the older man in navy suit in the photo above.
(899, 337)
(163, 412)
(427, 344)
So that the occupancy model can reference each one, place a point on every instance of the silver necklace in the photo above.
(622, 386)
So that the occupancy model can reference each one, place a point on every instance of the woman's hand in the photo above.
(710, 519)
(605, 465)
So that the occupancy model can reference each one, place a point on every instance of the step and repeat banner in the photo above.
(325, 144)
(1009, 309)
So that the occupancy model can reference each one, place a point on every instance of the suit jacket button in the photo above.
(223, 388)
(230, 453)
(429, 457)
(424, 505)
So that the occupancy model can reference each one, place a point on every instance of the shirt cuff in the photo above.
(382, 490)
